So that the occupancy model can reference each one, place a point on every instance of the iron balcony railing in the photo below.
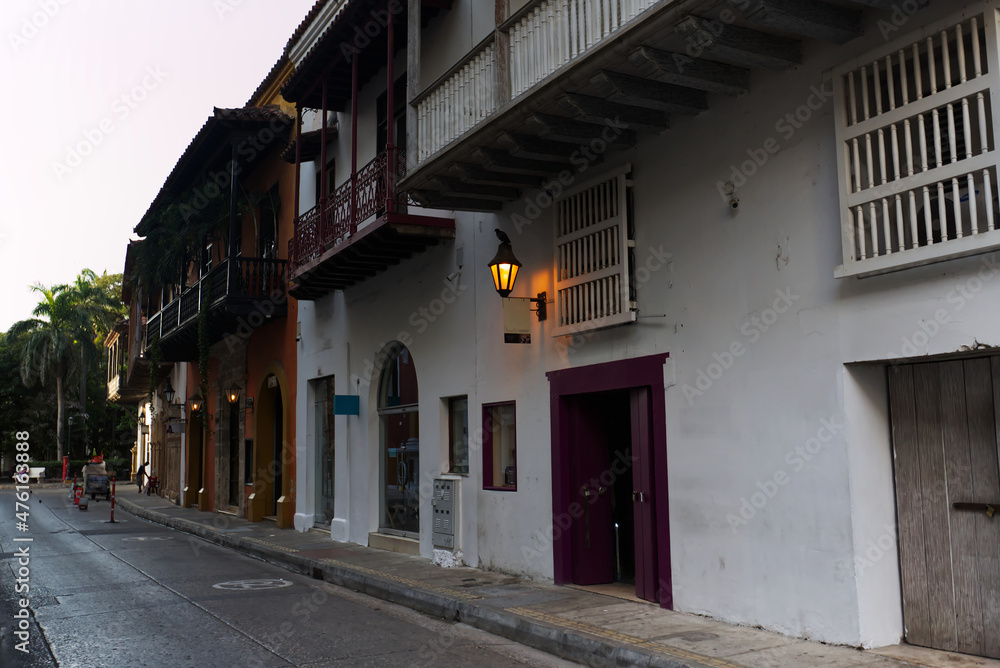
(332, 221)
(252, 279)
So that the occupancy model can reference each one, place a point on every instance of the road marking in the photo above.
(145, 538)
(253, 585)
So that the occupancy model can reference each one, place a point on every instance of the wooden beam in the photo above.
(596, 109)
(683, 70)
(498, 160)
(559, 128)
(743, 46)
(528, 146)
(648, 93)
(807, 18)
(455, 188)
(471, 173)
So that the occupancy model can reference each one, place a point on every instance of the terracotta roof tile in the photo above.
(306, 22)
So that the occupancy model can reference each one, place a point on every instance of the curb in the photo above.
(561, 642)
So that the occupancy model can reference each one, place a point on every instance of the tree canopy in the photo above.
(60, 344)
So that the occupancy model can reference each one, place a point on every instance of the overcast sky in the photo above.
(102, 98)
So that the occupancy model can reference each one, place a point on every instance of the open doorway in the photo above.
(604, 534)
(609, 477)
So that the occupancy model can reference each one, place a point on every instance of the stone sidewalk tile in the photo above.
(590, 628)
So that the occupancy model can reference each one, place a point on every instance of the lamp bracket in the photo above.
(540, 302)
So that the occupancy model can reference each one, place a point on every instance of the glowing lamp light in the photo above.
(504, 267)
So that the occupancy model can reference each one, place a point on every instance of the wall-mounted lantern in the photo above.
(504, 267)
(233, 394)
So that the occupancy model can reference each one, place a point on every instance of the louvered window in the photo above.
(594, 243)
(917, 147)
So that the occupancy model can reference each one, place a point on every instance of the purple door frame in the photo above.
(626, 374)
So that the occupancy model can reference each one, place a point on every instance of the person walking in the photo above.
(141, 474)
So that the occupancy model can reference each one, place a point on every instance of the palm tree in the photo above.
(48, 350)
(65, 319)
(99, 298)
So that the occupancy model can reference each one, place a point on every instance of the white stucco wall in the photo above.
(779, 462)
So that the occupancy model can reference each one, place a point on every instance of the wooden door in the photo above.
(593, 527)
(945, 435)
(646, 573)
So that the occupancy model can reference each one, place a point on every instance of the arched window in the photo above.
(399, 428)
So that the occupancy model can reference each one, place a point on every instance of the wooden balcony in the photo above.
(562, 83)
(238, 297)
(359, 232)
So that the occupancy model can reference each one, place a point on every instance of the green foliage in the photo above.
(175, 233)
(61, 344)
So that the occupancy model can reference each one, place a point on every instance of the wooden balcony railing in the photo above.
(537, 41)
(251, 279)
(331, 222)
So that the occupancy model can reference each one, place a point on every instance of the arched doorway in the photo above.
(399, 465)
(269, 451)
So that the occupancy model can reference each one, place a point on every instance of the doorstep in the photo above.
(382, 541)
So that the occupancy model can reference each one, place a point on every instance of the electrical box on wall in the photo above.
(445, 513)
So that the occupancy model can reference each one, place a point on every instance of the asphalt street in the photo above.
(134, 593)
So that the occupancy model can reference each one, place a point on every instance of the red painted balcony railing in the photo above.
(317, 230)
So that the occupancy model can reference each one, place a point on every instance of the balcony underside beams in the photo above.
(383, 243)
(682, 70)
(742, 46)
(598, 110)
(808, 18)
(633, 91)
(674, 58)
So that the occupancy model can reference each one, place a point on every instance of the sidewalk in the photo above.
(575, 624)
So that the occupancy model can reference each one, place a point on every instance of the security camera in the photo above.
(734, 203)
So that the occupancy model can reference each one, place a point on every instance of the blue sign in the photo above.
(346, 404)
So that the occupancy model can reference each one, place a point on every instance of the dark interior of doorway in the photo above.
(611, 430)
